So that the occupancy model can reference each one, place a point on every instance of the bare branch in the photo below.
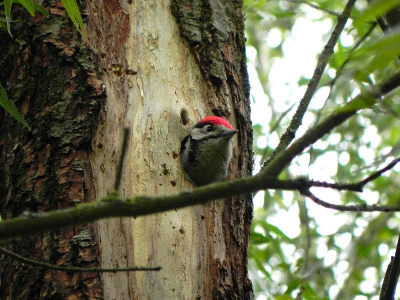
(48, 266)
(378, 173)
(354, 208)
(356, 187)
(331, 12)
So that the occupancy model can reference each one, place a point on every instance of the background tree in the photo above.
(156, 67)
(299, 250)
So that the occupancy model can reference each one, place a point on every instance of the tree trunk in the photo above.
(52, 78)
(164, 66)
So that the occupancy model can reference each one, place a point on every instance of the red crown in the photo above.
(216, 121)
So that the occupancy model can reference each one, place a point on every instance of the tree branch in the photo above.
(302, 183)
(355, 208)
(378, 173)
(323, 59)
(331, 12)
(355, 187)
(44, 265)
(113, 206)
(283, 159)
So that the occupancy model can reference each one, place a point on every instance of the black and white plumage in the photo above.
(206, 151)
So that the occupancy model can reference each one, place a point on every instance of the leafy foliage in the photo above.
(10, 107)
(73, 12)
(297, 249)
(29, 5)
(32, 7)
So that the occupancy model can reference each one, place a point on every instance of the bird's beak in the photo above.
(228, 133)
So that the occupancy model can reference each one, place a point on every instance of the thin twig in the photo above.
(323, 59)
(273, 129)
(354, 208)
(379, 173)
(355, 187)
(331, 12)
(393, 152)
(120, 166)
(48, 266)
(348, 59)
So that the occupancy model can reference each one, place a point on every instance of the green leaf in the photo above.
(284, 297)
(29, 5)
(375, 10)
(277, 231)
(10, 107)
(310, 294)
(258, 239)
(293, 285)
(260, 266)
(364, 100)
(377, 53)
(382, 45)
(303, 81)
(73, 12)
(5, 21)
(41, 9)
(32, 7)
(7, 10)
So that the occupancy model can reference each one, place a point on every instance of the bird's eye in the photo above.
(209, 128)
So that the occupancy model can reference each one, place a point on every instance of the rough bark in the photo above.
(214, 31)
(52, 78)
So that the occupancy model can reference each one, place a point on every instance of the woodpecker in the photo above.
(206, 151)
